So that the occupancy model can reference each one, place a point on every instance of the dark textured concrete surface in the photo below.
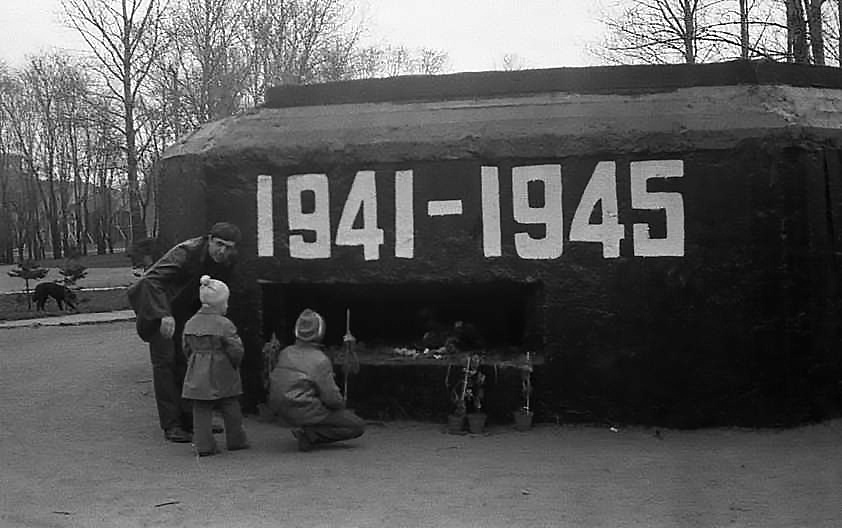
(741, 327)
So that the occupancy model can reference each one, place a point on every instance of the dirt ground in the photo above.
(80, 447)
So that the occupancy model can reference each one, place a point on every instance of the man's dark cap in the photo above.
(226, 231)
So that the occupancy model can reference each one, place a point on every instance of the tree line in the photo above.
(696, 31)
(79, 134)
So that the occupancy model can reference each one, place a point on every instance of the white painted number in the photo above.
(672, 204)
(317, 221)
(361, 199)
(358, 224)
(491, 238)
(602, 188)
(404, 215)
(549, 213)
(265, 218)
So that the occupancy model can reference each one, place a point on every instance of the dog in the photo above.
(62, 294)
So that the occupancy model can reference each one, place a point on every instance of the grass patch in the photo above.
(14, 306)
(119, 259)
(112, 260)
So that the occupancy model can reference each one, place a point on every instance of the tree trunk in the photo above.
(814, 19)
(138, 230)
(84, 232)
(796, 32)
(53, 216)
(744, 44)
(690, 32)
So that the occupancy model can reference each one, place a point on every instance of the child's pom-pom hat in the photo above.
(212, 292)
(310, 326)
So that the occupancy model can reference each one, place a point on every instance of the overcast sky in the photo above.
(476, 34)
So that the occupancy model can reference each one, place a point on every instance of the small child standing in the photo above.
(214, 352)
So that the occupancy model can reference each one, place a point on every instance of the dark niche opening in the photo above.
(493, 315)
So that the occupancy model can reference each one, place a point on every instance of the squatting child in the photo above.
(303, 390)
(214, 352)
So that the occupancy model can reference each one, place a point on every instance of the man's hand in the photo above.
(167, 326)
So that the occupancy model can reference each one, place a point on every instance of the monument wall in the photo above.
(665, 238)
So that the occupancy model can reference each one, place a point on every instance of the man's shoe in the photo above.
(208, 453)
(178, 435)
(304, 443)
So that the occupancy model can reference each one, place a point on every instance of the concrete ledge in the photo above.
(555, 124)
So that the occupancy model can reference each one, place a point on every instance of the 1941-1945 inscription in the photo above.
(596, 218)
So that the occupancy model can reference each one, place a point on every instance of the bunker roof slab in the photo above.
(554, 112)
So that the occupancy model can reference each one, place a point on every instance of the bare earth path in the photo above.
(79, 446)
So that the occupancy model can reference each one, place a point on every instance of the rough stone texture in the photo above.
(743, 328)
(553, 124)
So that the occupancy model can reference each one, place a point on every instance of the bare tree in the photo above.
(51, 130)
(827, 47)
(832, 35)
(796, 24)
(77, 126)
(44, 78)
(432, 61)
(43, 104)
(690, 31)
(812, 31)
(815, 26)
(298, 42)
(761, 29)
(76, 141)
(22, 115)
(397, 60)
(8, 215)
(204, 64)
(341, 61)
(125, 37)
(389, 61)
(103, 154)
(656, 31)
(744, 31)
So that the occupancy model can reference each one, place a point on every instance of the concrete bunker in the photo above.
(665, 237)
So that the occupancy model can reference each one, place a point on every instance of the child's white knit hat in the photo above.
(212, 292)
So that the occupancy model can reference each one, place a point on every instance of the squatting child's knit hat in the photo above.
(310, 326)
(212, 292)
